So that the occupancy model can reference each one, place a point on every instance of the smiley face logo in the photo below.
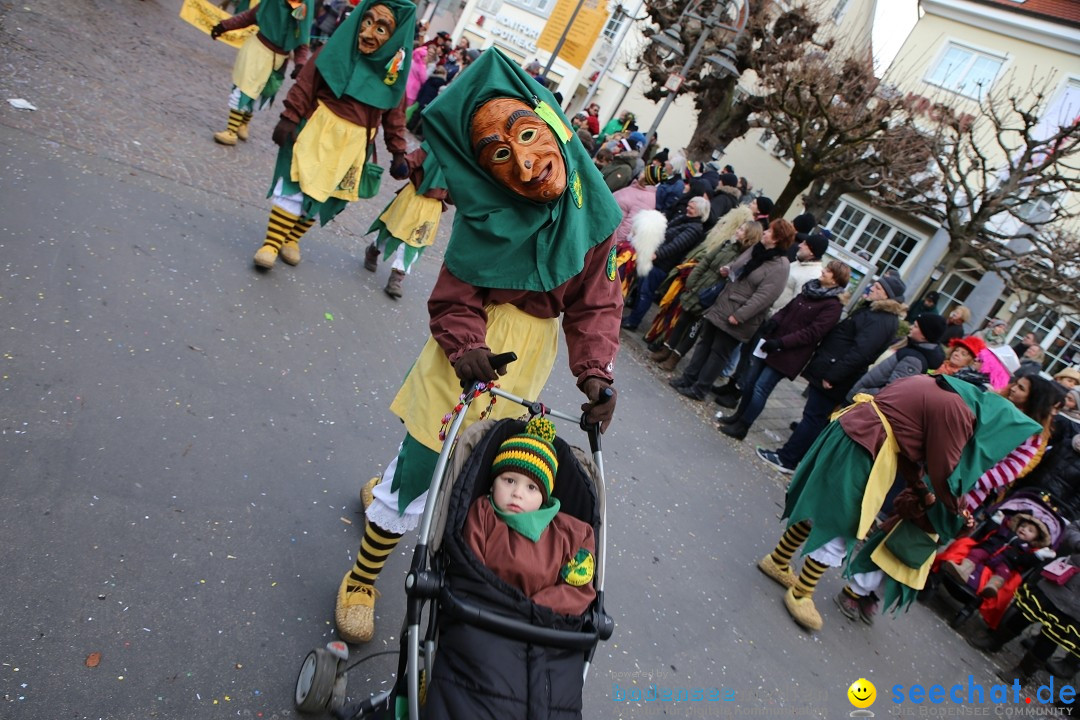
(862, 693)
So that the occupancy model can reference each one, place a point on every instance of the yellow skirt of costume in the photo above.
(412, 218)
(431, 389)
(328, 156)
(254, 63)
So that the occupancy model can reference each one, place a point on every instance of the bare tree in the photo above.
(833, 126)
(770, 37)
(1003, 181)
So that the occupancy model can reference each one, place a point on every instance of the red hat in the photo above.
(973, 344)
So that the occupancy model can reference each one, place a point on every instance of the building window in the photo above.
(873, 238)
(1059, 338)
(613, 26)
(955, 290)
(965, 70)
(537, 7)
(491, 7)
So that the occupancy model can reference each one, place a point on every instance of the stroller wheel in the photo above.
(316, 682)
(337, 695)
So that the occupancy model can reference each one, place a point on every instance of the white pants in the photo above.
(832, 554)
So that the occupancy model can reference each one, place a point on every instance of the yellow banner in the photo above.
(205, 15)
(589, 22)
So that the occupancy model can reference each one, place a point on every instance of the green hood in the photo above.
(999, 429)
(276, 24)
(499, 239)
(363, 77)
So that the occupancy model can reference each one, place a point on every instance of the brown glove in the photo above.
(601, 406)
(475, 366)
(284, 132)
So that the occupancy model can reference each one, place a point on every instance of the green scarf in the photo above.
(499, 239)
(529, 524)
(276, 24)
(362, 77)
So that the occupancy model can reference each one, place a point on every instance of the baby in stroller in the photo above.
(518, 532)
(1020, 543)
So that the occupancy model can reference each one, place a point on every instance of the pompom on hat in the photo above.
(532, 454)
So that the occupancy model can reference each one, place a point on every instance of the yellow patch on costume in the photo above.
(579, 570)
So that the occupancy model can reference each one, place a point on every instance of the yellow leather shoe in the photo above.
(355, 612)
(784, 576)
(803, 610)
(290, 252)
(367, 493)
(225, 137)
(266, 256)
(242, 132)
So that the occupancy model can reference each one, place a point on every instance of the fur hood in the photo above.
(1044, 532)
(725, 229)
(893, 307)
(647, 235)
(728, 190)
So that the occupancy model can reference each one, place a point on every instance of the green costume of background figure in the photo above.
(326, 133)
(839, 487)
(521, 255)
(901, 550)
(259, 70)
(408, 225)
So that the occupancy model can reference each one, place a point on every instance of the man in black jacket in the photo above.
(844, 356)
(723, 199)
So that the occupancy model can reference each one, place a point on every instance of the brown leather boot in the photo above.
(393, 285)
(371, 258)
(669, 364)
(660, 355)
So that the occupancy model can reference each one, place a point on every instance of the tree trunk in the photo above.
(715, 129)
(797, 182)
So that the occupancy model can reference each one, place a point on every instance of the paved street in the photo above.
(183, 439)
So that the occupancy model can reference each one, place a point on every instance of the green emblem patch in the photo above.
(580, 569)
(575, 189)
(611, 266)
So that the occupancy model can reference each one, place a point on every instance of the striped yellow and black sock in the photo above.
(245, 118)
(375, 548)
(301, 226)
(851, 593)
(812, 571)
(236, 119)
(278, 227)
(793, 538)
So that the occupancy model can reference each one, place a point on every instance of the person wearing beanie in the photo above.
(928, 304)
(805, 223)
(807, 266)
(723, 199)
(893, 286)
(518, 532)
(662, 156)
(839, 362)
(961, 354)
(762, 207)
(921, 354)
(654, 175)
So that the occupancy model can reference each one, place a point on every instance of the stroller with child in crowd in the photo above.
(472, 645)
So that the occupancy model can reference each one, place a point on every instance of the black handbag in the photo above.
(707, 296)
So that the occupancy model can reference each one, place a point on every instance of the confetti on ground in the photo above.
(93, 659)
(329, 316)
(347, 521)
(20, 104)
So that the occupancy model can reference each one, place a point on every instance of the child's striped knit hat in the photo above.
(531, 454)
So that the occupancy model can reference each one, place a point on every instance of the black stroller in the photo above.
(1037, 504)
(455, 601)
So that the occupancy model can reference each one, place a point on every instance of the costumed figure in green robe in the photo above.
(259, 70)
(531, 243)
(326, 134)
(408, 225)
(940, 434)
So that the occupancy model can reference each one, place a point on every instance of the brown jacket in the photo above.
(533, 568)
(749, 298)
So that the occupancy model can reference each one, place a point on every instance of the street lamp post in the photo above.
(724, 60)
